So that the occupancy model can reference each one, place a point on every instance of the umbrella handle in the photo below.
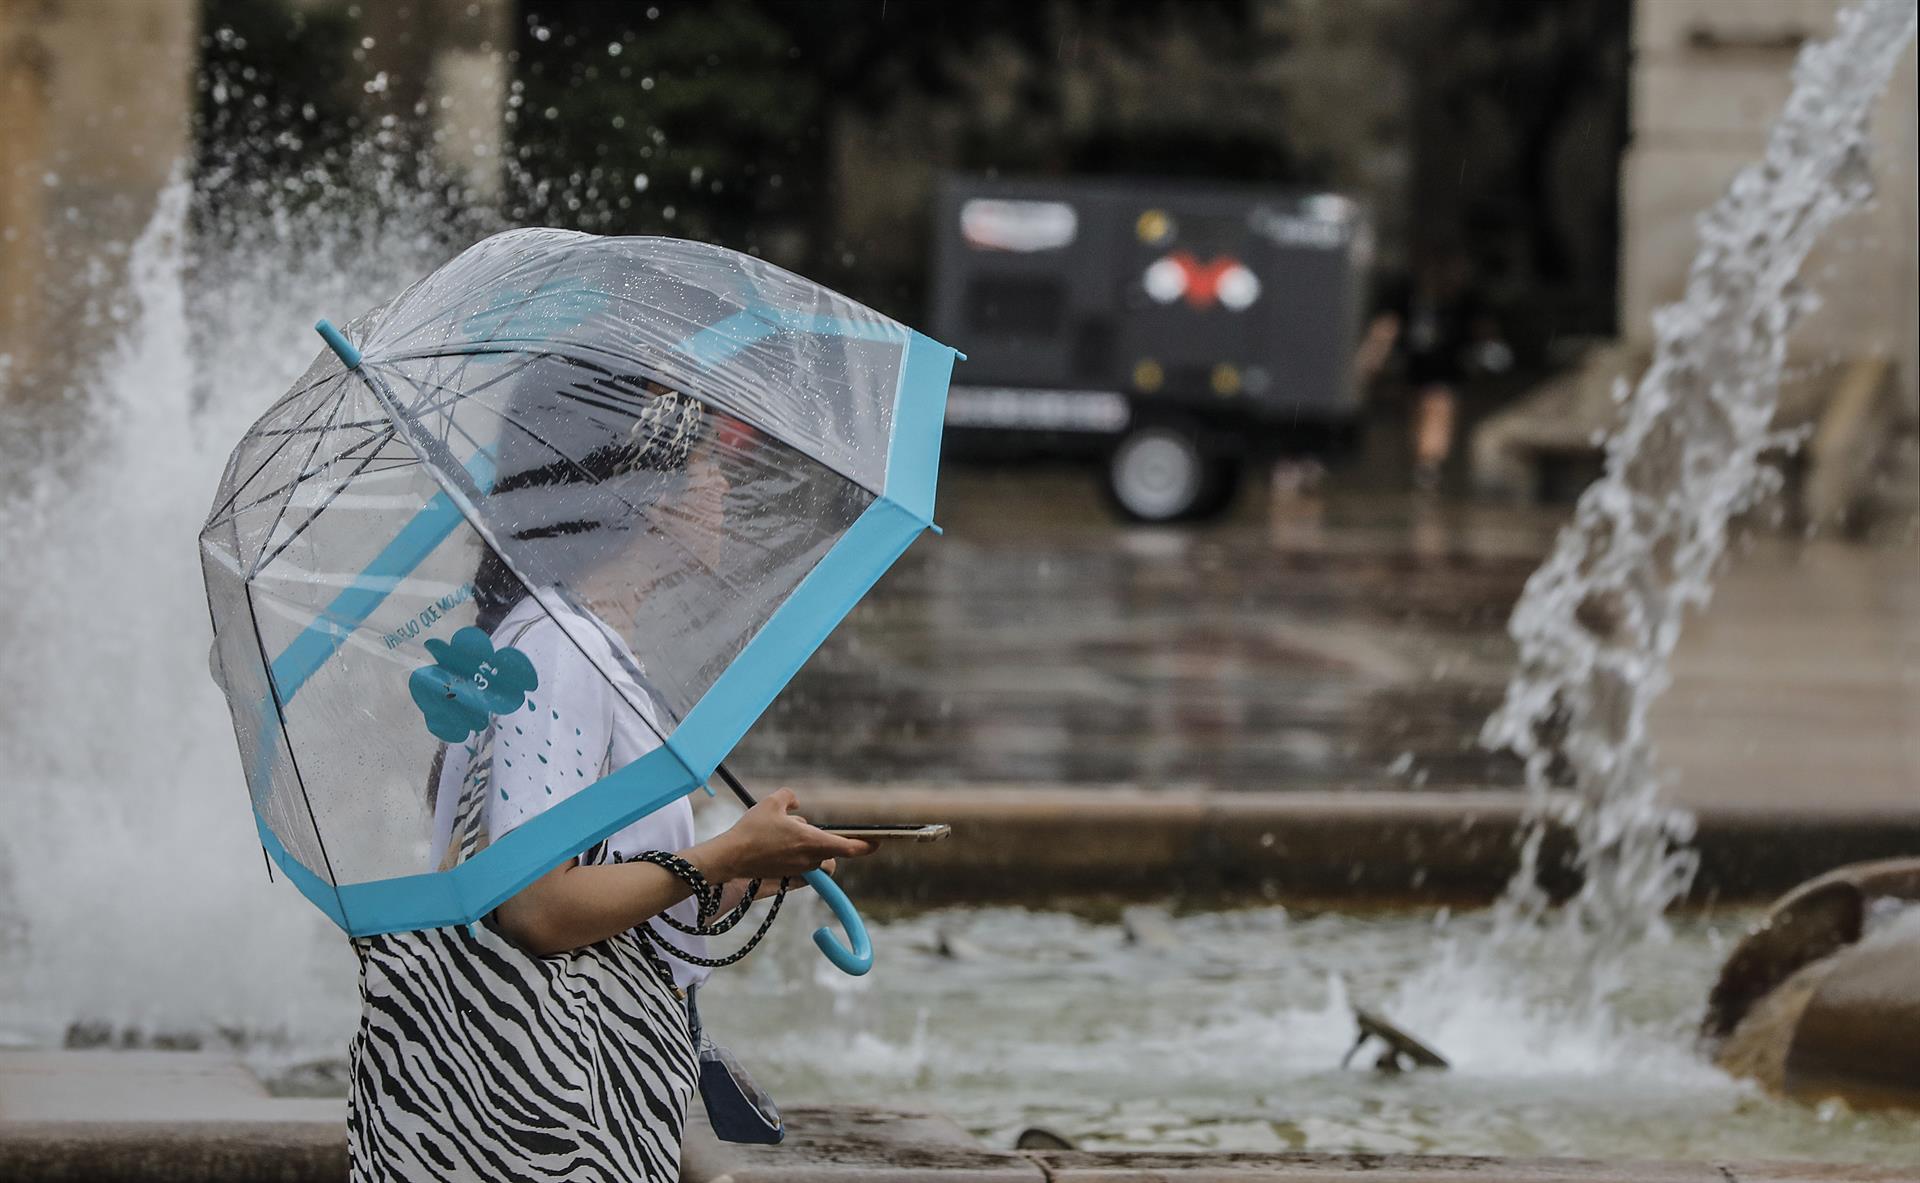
(856, 957)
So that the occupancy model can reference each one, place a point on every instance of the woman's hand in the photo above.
(770, 841)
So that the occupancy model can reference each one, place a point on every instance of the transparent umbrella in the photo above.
(693, 461)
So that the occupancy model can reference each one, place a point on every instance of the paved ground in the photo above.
(862, 1144)
(1801, 682)
(1354, 642)
(182, 1117)
(144, 1086)
(1349, 644)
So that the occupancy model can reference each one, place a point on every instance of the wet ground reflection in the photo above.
(1352, 641)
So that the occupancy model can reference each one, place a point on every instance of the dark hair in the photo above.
(660, 440)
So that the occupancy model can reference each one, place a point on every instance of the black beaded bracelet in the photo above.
(707, 896)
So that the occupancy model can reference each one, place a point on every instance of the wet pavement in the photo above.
(1801, 681)
(1352, 642)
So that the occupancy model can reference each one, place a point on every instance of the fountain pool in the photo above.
(1225, 1031)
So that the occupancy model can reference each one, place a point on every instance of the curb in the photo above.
(173, 1151)
(1017, 845)
(827, 1144)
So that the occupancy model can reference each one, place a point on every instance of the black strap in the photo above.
(707, 896)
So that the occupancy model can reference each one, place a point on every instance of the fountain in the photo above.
(1600, 618)
(128, 840)
(129, 845)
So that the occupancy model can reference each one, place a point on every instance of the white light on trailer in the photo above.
(1165, 280)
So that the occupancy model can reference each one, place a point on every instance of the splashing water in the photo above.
(1599, 619)
(128, 842)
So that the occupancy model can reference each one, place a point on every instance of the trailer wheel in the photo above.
(1162, 474)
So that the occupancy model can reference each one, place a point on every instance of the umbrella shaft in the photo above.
(739, 790)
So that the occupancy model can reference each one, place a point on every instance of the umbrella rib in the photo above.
(282, 431)
(293, 762)
(297, 391)
(455, 395)
(265, 460)
(334, 459)
(319, 437)
(313, 517)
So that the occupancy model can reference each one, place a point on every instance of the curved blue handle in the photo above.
(856, 957)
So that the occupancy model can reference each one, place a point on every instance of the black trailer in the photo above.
(1176, 330)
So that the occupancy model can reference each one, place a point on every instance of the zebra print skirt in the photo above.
(477, 1061)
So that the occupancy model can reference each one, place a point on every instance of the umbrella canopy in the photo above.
(693, 461)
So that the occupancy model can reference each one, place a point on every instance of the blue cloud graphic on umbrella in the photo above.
(469, 682)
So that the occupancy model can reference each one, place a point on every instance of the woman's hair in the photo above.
(665, 426)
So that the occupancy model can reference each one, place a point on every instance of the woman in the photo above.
(551, 1040)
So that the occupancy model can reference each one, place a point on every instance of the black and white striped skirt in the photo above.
(477, 1061)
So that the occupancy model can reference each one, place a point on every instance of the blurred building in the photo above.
(816, 140)
(96, 99)
(1709, 76)
(98, 105)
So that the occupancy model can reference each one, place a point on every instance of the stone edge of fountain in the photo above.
(1373, 848)
(826, 1144)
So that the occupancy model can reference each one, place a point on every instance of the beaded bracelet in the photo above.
(708, 897)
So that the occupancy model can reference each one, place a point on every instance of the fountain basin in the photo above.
(827, 1144)
(1223, 1032)
(1033, 845)
(1822, 998)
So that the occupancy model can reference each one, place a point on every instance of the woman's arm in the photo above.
(573, 906)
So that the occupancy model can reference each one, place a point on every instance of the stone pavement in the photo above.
(191, 1117)
(158, 1117)
(145, 1086)
(858, 1144)
(1800, 683)
(1345, 644)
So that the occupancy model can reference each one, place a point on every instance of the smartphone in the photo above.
(909, 831)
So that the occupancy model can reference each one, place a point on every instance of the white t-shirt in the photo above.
(576, 728)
